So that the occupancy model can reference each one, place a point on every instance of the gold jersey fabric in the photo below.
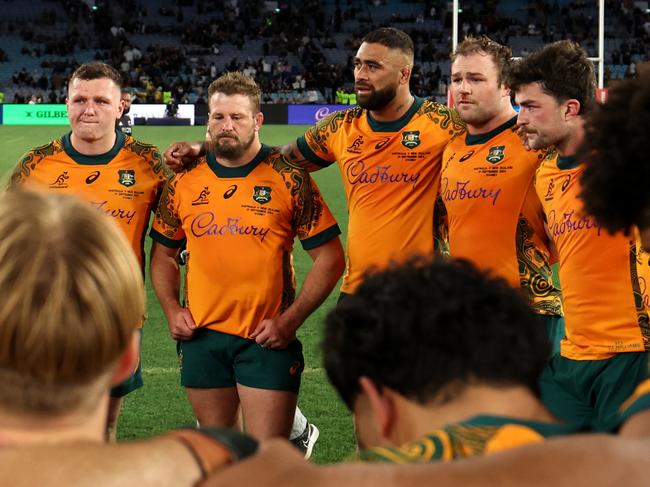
(481, 435)
(494, 216)
(125, 183)
(604, 277)
(240, 224)
(391, 175)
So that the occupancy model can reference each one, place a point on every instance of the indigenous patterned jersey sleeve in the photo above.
(240, 224)
(124, 183)
(494, 215)
(391, 174)
(480, 436)
(604, 277)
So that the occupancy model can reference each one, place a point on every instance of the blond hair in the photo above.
(236, 83)
(72, 296)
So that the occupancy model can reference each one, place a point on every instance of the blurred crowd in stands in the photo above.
(298, 51)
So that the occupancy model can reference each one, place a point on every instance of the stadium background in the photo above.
(298, 52)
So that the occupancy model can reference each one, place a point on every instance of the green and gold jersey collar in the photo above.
(97, 159)
(222, 171)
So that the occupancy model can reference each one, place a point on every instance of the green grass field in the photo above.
(161, 404)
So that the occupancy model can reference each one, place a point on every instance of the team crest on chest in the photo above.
(496, 154)
(411, 139)
(262, 194)
(126, 177)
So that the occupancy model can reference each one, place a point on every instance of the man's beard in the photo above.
(378, 99)
(231, 151)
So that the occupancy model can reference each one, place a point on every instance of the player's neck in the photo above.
(93, 147)
(244, 159)
(417, 420)
(569, 145)
(495, 122)
(30, 429)
(395, 109)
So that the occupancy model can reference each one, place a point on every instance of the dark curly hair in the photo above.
(563, 71)
(428, 329)
(614, 182)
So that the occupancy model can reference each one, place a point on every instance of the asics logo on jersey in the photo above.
(382, 143)
(92, 177)
(230, 191)
(565, 183)
(466, 156)
(202, 198)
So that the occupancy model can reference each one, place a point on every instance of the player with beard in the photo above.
(494, 216)
(124, 122)
(388, 150)
(604, 354)
(239, 209)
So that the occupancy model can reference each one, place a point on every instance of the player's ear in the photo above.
(405, 73)
(572, 109)
(128, 362)
(259, 120)
(381, 404)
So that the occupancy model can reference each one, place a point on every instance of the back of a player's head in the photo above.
(236, 83)
(72, 297)
(563, 71)
(393, 39)
(97, 70)
(501, 55)
(427, 330)
(614, 183)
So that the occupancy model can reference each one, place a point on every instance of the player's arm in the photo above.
(293, 153)
(166, 281)
(327, 268)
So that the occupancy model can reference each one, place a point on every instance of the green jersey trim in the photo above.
(93, 160)
(400, 123)
(237, 172)
(483, 138)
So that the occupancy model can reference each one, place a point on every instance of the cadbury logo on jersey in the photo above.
(262, 194)
(126, 177)
(411, 139)
(92, 177)
(496, 154)
(202, 198)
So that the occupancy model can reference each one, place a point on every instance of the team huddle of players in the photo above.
(437, 358)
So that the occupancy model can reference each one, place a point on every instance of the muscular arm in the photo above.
(581, 460)
(326, 270)
(293, 154)
(165, 278)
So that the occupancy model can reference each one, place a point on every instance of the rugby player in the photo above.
(438, 361)
(494, 216)
(239, 208)
(115, 173)
(603, 356)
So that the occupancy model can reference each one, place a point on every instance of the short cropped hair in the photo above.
(501, 55)
(97, 70)
(236, 83)
(392, 38)
(614, 182)
(428, 329)
(72, 297)
(563, 71)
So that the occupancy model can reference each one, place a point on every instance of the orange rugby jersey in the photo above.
(495, 218)
(125, 183)
(240, 224)
(391, 174)
(604, 277)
